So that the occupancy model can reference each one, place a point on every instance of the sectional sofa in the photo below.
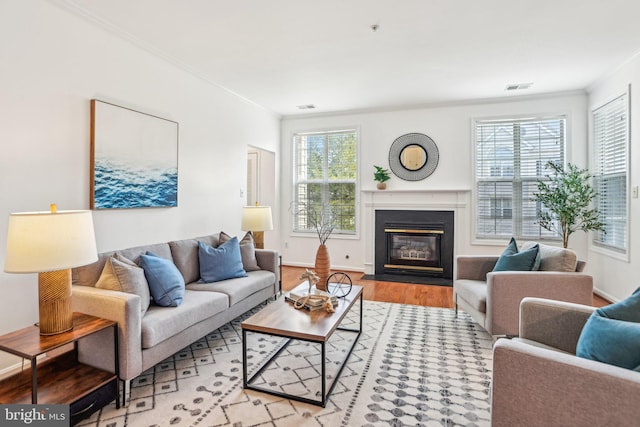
(149, 336)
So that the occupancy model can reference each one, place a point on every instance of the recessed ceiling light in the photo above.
(518, 86)
(306, 107)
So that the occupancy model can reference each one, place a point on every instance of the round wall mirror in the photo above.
(413, 156)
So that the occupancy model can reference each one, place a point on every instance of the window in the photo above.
(609, 167)
(325, 177)
(510, 159)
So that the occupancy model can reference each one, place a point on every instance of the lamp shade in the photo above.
(256, 218)
(45, 241)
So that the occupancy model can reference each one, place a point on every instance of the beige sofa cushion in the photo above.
(553, 258)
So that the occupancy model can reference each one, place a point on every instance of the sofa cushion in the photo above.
(553, 258)
(612, 334)
(239, 288)
(474, 292)
(161, 323)
(247, 250)
(165, 280)
(185, 255)
(122, 274)
(221, 263)
(159, 249)
(512, 260)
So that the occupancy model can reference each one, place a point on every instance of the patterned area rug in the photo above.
(412, 365)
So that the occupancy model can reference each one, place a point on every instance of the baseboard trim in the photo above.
(605, 295)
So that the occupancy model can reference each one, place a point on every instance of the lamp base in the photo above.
(54, 302)
(258, 239)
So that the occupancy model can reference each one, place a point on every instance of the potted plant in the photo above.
(566, 200)
(381, 176)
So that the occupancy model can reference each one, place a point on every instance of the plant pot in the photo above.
(382, 186)
(323, 267)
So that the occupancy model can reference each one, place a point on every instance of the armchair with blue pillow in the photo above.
(490, 288)
(572, 365)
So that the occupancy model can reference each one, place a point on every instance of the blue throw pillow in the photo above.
(166, 283)
(512, 260)
(612, 334)
(221, 263)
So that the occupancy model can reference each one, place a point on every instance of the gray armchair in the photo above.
(538, 380)
(493, 298)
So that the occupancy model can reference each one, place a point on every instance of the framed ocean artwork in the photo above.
(134, 158)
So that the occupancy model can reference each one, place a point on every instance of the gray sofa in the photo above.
(538, 380)
(146, 339)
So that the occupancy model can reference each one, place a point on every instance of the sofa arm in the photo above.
(119, 307)
(555, 323)
(539, 387)
(505, 290)
(474, 267)
(268, 260)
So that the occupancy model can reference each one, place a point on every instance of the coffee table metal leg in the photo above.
(244, 358)
(324, 375)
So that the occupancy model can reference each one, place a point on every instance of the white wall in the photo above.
(617, 278)
(53, 63)
(451, 129)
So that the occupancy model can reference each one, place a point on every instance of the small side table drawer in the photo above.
(87, 405)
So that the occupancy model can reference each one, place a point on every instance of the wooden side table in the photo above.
(61, 379)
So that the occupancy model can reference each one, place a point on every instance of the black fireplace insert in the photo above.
(414, 243)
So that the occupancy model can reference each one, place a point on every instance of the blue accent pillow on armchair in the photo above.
(612, 334)
(221, 263)
(166, 283)
(512, 260)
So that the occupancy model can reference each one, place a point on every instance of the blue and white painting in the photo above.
(135, 159)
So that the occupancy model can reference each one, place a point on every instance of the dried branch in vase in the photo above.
(321, 220)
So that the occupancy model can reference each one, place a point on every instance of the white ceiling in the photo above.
(284, 53)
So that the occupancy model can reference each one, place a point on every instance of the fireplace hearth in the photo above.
(414, 246)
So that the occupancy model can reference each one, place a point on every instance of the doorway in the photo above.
(261, 185)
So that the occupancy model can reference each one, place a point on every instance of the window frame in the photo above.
(355, 235)
(516, 211)
(605, 249)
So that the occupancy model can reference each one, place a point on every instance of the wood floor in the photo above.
(403, 293)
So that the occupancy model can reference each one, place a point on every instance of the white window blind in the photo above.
(610, 165)
(325, 168)
(510, 159)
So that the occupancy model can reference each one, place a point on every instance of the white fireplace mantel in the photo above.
(456, 200)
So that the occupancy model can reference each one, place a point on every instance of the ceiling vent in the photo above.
(519, 86)
(306, 107)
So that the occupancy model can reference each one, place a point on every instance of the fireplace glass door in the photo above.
(411, 249)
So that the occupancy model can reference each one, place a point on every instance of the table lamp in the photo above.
(50, 244)
(257, 219)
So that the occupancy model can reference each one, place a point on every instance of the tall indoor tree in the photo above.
(566, 198)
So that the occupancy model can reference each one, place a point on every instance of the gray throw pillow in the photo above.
(553, 258)
(122, 274)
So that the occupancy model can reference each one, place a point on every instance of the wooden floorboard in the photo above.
(403, 293)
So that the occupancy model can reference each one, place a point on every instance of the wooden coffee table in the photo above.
(280, 319)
